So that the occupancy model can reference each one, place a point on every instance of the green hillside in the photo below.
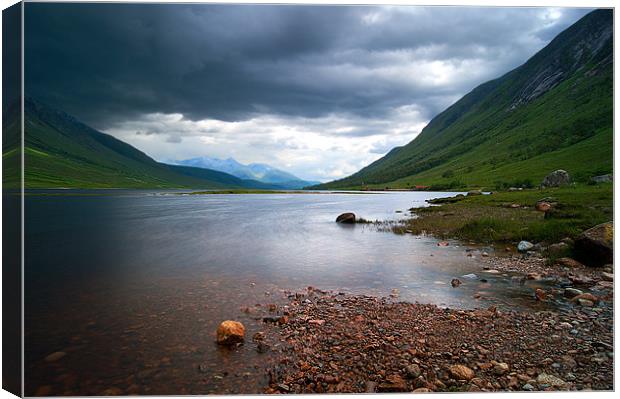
(555, 111)
(60, 151)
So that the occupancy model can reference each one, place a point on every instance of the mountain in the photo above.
(61, 151)
(553, 112)
(255, 171)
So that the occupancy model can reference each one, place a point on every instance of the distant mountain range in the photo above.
(553, 112)
(62, 152)
(254, 171)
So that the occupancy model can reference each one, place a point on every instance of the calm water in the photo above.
(132, 285)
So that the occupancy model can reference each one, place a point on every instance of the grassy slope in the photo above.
(482, 141)
(62, 152)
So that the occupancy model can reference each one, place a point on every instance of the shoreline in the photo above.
(338, 343)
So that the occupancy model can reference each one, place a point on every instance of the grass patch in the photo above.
(491, 219)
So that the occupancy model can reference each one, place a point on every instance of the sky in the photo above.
(319, 91)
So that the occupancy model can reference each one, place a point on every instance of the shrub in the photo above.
(447, 174)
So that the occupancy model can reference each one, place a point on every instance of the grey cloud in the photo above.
(108, 63)
(174, 139)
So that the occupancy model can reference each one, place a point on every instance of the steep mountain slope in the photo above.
(554, 111)
(60, 151)
(254, 171)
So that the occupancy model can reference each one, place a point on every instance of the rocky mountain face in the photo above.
(583, 45)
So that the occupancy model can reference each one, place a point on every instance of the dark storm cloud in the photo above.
(107, 63)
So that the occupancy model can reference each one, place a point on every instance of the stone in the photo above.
(55, 356)
(608, 178)
(534, 276)
(569, 262)
(413, 371)
(346, 218)
(474, 192)
(585, 302)
(607, 276)
(443, 243)
(568, 240)
(230, 332)
(525, 246)
(484, 254)
(540, 295)
(595, 246)
(492, 271)
(259, 336)
(572, 292)
(471, 276)
(556, 178)
(557, 249)
(528, 387)
(551, 380)
(422, 390)
(455, 282)
(460, 372)
(501, 368)
(585, 296)
(393, 383)
(543, 206)
(371, 387)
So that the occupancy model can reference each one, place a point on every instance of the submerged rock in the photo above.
(585, 297)
(556, 179)
(455, 282)
(595, 246)
(230, 332)
(347, 218)
(572, 292)
(55, 356)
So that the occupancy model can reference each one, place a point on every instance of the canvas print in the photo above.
(306, 199)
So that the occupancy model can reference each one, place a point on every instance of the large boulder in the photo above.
(230, 332)
(525, 246)
(347, 218)
(556, 179)
(595, 246)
